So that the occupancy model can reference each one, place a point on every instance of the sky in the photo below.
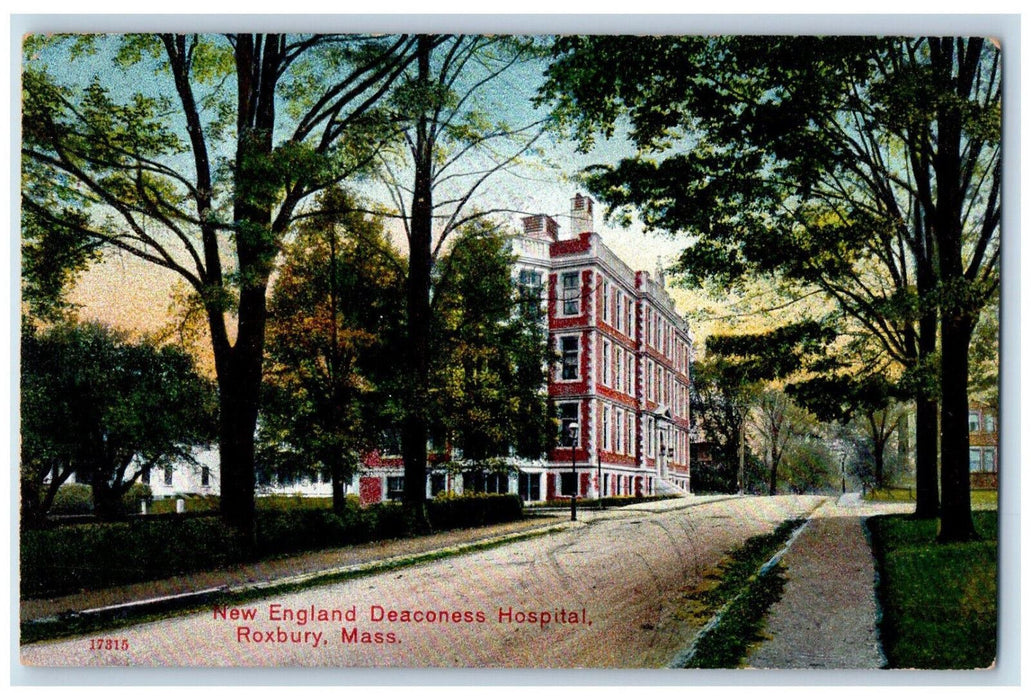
(136, 295)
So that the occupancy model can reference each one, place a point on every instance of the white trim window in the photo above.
(570, 285)
(606, 428)
(569, 357)
(606, 363)
(605, 311)
(569, 413)
(619, 368)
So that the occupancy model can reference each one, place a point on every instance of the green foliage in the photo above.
(810, 466)
(65, 559)
(132, 497)
(104, 408)
(165, 147)
(720, 402)
(867, 169)
(334, 319)
(73, 499)
(449, 511)
(939, 602)
(488, 353)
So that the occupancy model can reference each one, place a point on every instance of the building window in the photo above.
(569, 413)
(989, 423)
(570, 351)
(145, 476)
(496, 483)
(531, 289)
(395, 487)
(530, 486)
(606, 428)
(567, 484)
(988, 464)
(975, 459)
(205, 476)
(606, 365)
(619, 312)
(168, 476)
(974, 421)
(605, 312)
(620, 431)
(619, 369)
(438, 483)
(570, 293)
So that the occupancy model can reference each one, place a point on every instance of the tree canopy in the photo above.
(335, 319)
(197, 153)
(106, 409)
(865, 167)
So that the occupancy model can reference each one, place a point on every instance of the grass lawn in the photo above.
(979, 498)
(939, 602)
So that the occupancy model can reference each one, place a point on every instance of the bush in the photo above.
(448, 511)
(136, 493)
(73, 499)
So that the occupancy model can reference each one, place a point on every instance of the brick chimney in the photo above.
(540, 226)
(582, 214)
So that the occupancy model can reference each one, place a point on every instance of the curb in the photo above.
(683, 658)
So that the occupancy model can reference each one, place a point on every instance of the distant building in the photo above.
(984, 446)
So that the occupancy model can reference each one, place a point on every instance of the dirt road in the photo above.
(600, 595)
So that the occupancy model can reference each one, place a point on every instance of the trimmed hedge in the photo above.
(448, 511)
(606, 501)
(70, 558)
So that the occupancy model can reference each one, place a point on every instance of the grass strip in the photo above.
(938, 601)
(742, 589)
(725, 645)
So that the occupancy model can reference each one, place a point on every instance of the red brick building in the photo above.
(984, 446)
(622, 373)
(621, 376)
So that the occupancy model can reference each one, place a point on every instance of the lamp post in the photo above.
(843, 472)
(574, 431)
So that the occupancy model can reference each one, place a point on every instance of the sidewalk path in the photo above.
(278, 568)
(290, 566)
(827, 616)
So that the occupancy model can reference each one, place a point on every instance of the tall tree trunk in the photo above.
(926, 438)
(958, 306)
(957, 524)
(415, 427)
(239, 367)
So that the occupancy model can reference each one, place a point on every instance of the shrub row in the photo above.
(449, 511)
(77, 499)
(70, 558)
(607, 501)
